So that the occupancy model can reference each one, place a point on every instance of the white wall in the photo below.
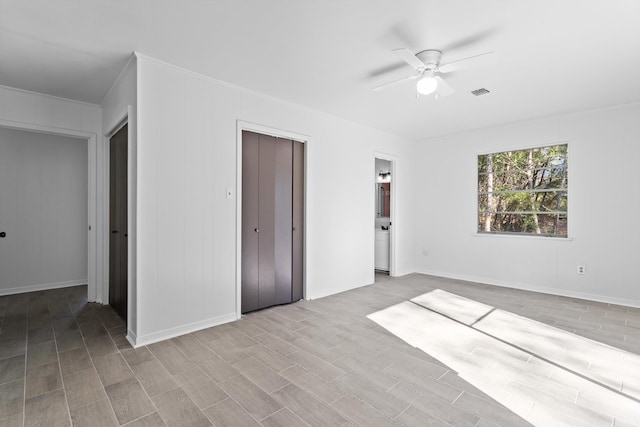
(49, 113)
(43, 189)
(31, 111)
(118, 106)
(604, 204)
(187, 228)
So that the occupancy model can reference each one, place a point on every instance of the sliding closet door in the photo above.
(283, 222)
(269, 242)
(298, 221)
(250, 220)
(266, 225)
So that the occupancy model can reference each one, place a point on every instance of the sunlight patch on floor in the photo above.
(545, 375)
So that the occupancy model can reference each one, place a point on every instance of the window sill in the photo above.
(528, 236)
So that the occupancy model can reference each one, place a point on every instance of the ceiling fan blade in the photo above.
(462, 63)
(395, 82)
(443, 88)
(408, 57)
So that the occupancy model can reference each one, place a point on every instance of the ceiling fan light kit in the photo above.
(427, 85)
(427, 68)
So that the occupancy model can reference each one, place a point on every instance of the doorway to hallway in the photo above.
(383, 210)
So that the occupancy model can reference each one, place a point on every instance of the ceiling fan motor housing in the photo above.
(430, 57)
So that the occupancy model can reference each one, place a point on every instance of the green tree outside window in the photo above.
(524, 191)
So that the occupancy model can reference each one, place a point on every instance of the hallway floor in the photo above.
(64, 361)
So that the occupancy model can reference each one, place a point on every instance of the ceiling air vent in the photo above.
(481, 91)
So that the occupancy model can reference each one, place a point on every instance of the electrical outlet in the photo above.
(581, 269)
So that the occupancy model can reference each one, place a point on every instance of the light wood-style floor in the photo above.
(64, 361)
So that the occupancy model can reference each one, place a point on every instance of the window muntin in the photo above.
(524, 192)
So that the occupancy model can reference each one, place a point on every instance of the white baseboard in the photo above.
(41, 287)
(543, 290)
(131, 337)
(138, 341)
(323, 294)
(406, 271)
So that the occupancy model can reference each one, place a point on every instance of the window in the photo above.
(523, 192)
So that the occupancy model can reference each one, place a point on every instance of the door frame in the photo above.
(94, 208)
(393, 209)
(279, 133)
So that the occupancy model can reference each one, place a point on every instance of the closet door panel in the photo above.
(114, 258)
(282, 220)
(250, 223)
(121, 183)
(267, 209)
(118, 285)
(298, 221)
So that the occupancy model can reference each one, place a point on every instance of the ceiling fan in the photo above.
(427, 67)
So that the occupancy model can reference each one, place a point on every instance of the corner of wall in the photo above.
(119, 106)
(138, 341)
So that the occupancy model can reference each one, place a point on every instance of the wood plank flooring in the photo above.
(64, 361)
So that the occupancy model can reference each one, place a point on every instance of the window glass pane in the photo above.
(517, 223)
(524, 191)
(539, 202)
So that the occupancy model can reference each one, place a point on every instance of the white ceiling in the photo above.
(551, 56)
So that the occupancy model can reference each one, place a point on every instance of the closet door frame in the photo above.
(279, 133)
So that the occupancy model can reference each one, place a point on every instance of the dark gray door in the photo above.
(282, 220)
(250, 220)
(118, 287)
(268, 230)
(298, 220)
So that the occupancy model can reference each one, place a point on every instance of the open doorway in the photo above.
(383, 210)
(64, 243)
(43, 211)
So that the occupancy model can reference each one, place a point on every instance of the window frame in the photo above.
(477, 220)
